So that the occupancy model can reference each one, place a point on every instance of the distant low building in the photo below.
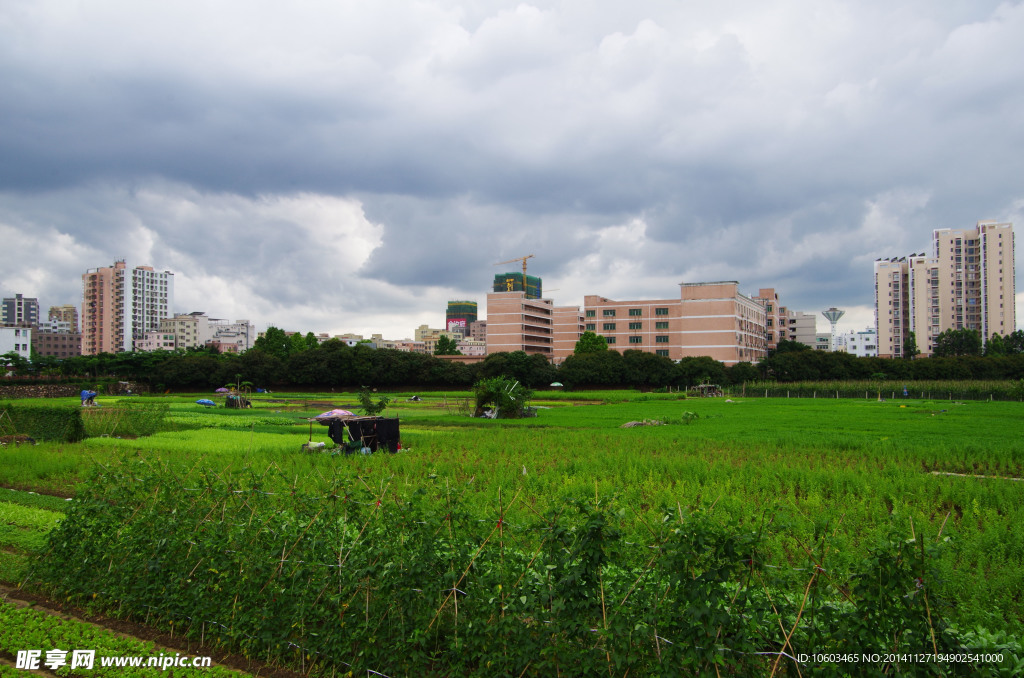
(16, 340)
(802, 327)
(58, 344)
(65, 313)
(472, 347)
(155, 340)
(863, 344)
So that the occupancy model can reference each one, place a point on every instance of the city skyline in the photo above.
(350, 168)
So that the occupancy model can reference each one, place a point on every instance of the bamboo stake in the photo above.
(800, 614)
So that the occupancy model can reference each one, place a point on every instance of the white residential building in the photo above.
(16, 340)
(863, 344)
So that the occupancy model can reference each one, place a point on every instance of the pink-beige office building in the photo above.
(535, 326)
(709, 319)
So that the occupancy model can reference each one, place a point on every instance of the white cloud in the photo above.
(332, 165)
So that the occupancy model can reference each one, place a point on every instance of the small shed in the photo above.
(355, 433)
(706, 391)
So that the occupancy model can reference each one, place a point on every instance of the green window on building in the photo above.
(661, 339)
(661, 311)
(636, 340)
(636, 311)
(661, 325)
(608, 327)
(636, 326)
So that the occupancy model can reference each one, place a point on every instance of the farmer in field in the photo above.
(88, 398)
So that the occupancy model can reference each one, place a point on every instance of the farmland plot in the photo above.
(519, 546)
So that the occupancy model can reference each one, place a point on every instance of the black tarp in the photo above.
(376, 433)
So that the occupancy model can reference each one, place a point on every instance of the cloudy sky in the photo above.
(336, 166)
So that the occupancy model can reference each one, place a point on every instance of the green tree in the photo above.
(590, 342)
(446, 346)
(273, 342)
(601, 369)
(311, 341)
(957, 343)
(370, 408)
(534, 370)
(787, 346)
(508, 395)
(910, 350)
(1014, 342)
(14, 362)
(743, 372)
(696, 370)
(995, 346)
(296, 344)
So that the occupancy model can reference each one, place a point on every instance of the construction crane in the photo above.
(522, 259)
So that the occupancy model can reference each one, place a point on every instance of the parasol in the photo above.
(335, 413)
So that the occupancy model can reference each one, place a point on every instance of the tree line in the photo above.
(287, 362)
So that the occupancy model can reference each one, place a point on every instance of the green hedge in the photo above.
(125, 418)
(42, 422)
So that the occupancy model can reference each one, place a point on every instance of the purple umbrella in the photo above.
(335, 413)
(221, 390)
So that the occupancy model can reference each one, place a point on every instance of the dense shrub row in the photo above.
(336, 365)
(368, 581)
(42, 422)
(125, 418)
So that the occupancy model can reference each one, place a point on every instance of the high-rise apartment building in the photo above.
(967, 283)
(19, 310)
(120, 305)
(65, 313)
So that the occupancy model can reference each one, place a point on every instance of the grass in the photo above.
(24, 527)
(812, 470)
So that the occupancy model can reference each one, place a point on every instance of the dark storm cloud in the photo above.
(404, 149)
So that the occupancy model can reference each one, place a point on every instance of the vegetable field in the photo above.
(728, 539)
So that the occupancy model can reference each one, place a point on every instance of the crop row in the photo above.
(360, 579)
(866, 389)
(27, 629)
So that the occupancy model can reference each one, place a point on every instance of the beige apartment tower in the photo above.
(65, 313)
(967, 283)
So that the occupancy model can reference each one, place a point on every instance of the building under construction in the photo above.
(514, 282)
(460, 315)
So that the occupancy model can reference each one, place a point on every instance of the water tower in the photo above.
(833, 315)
